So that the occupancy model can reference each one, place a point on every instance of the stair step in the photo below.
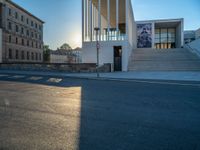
(167, 59)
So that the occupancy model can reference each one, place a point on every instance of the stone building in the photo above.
(21, 34)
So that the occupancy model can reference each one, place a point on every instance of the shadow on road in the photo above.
(127, 116)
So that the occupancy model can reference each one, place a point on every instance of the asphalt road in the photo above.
(67, 114)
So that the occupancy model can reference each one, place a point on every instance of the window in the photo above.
(16, 40)
(36, 44)
(22, 41)
(36, 56)
(36, 36)
(16, 28)
(32, 34)
(22, 30)
(16, 54)
(32, 56)
(16, 15)
(27, 32)
(27, 21)
(36, 25)
(10, 53)
(22, 55)
(10, 11)
(32, 44)
(40, 56)
(22, 18)
(27, 55)
(40, 37)
(10, 38)
(10, 26)
(40, 27)
(27, 42)
(32, 23)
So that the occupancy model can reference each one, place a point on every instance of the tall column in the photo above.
(99, 18)
(108, 17)
(90, 20)
(86, 19)
(117, 18)
(83, 20)
(127, 15)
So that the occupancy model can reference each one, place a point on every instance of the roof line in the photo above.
(16, 5)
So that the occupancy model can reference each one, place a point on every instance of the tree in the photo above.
(66, 46)
(46, 53)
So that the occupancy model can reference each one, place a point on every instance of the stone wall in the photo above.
(70, 68)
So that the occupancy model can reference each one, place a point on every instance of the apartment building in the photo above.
(21, 34)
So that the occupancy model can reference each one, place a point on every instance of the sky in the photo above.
(63, 17)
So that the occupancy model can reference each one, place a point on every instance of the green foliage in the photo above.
(46, 53)
(66, 46)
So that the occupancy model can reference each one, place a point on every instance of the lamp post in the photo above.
(97, 46)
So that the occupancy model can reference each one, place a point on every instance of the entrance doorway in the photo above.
(165, 38)
(117, 58)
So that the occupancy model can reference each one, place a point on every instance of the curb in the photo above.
(149, 81)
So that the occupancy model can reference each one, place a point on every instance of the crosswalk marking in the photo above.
(17, 77)
(55, 80)
(35, 78)
(3, 75)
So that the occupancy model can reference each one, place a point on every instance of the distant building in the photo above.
(65, 56)
(21, 34)
(189, 36)
(197, 34)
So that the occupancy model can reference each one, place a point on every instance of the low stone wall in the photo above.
(62, 67)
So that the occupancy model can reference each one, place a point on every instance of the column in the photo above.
(83, 20)
(90, 19)
(99, 18)
(86, 20)
(127, 15)
(117, 18)
(108, 17)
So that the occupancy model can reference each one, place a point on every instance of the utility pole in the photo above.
(97, 46)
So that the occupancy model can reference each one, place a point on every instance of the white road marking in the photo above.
(54, 80)
(17, 77)
(35, 78)
(153, 82)
(3, 75)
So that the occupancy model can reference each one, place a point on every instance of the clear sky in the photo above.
(63, 17)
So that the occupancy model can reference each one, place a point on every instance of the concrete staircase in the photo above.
(178, 59)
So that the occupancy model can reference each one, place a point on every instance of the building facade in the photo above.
(119, 34)
(116, 26)
(197, 34)
(65, 56)
(160, 34)
(21, 34)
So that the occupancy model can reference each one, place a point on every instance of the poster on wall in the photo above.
(144, 33)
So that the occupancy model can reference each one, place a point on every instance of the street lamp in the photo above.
(97, 46)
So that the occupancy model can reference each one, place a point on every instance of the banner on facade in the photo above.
(144, 35)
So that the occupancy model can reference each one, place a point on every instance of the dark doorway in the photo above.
(117, 58)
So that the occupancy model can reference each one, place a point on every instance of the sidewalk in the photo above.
(147, 75)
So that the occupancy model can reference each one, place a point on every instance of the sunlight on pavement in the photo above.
(47, 114)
